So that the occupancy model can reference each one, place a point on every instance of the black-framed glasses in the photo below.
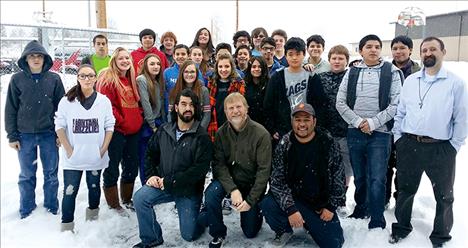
(84, 76)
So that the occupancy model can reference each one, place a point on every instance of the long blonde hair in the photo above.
(110, 75)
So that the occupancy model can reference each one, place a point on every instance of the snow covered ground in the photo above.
(42, 229)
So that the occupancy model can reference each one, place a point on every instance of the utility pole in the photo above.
(101, 17)
(237, 15)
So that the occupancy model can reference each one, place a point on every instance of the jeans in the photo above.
(325, 233)
(188, 209)
(369, 159)
(27, 155)
(437, 160)
(251, 221)
(145, 135)
(122, 148)
(71, 185)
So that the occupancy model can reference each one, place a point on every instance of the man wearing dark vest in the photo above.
(367, 100)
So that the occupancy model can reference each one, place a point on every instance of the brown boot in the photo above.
(112, 197)
(126, 193)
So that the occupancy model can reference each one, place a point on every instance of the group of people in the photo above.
(282, 134)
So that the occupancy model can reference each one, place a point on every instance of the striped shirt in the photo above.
(367, 98)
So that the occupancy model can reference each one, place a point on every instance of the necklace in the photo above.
(421, 100)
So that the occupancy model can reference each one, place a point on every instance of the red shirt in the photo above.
(127, 113)
(139, 54)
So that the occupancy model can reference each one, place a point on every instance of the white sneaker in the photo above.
(342, 211)
(226, 204)
(281, 239)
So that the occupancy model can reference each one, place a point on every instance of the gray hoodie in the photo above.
(31, 103)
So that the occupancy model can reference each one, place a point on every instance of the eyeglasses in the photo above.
(84, 76)
(189, 72)
(268, 49)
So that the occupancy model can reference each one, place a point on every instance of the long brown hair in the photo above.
(110, 75)
(151, 81)
(233, 74)
(75, 91)
(182, 84)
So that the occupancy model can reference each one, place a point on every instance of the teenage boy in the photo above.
(402, 47)
(288, 88)
(315, 47)
(101, 58)
(168, 41)
(367, 100)
(280, 38)
(241, 38)
(32, 99)
(267, 47)
(147, 39)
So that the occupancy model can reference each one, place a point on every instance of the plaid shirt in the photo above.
(237, 85)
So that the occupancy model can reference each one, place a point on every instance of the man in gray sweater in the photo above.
(367, 100)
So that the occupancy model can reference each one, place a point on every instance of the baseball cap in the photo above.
(303, 107)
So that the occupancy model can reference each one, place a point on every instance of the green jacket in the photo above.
(243, 160)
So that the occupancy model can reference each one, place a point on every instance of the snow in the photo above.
(42, 229)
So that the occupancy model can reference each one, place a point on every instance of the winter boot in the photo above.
(92, 214)
(126, 193)
(112, 199)
(67, 227)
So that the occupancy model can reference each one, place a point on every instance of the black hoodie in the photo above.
(31, 104)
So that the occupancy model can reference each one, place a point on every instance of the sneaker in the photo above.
(129, 205)
(438, 245)
(216, 242)
(358, 216)
(226, 204)
(150, 245)
(281, 239)
(394, 239)
(342, 211)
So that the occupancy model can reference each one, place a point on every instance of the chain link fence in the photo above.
(67, 46)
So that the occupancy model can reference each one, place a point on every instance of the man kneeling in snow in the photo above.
(177, 159)
(306, 183)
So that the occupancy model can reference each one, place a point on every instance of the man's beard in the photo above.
(429, 61)
(186, 119)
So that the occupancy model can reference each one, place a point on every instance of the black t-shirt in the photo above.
(302, 168)
(88, 102)
(221, 94)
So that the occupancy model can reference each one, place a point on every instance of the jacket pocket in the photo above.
(85, 154)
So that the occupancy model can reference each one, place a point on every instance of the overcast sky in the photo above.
(339, 22)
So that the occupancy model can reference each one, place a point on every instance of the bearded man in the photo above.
(177, 160)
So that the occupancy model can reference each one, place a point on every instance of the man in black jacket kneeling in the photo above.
(306, 183)
(177, 160)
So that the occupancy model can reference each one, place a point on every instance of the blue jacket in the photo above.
(31, 103)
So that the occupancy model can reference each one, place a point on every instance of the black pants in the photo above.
(437, 160)
(122, 148)
(390, 173)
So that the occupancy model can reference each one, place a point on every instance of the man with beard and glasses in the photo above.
(177, 160)
(430, 127)
(241, 167)
(305, 190)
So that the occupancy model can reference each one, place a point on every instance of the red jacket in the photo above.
(139, 54)
(127, 113)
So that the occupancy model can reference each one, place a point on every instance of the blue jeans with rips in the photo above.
(27, 155)
(188, 209)
(369, 158)
(71, 185)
